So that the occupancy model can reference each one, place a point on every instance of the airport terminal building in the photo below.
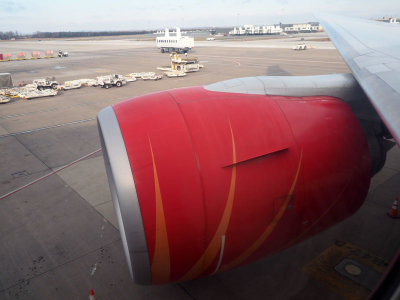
(276, 29)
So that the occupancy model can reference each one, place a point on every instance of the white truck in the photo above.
(177, 43)
(111, 80)
(45, 83)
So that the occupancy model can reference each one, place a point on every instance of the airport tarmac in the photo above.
(59, 235)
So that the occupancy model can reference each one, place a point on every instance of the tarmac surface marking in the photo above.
(347, 270)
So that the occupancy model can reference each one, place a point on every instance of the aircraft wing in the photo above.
(372, 51)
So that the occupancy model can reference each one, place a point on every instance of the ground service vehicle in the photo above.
(177, 43)
(111, 80)
(300, 47)
(47, 83)
(62, 53)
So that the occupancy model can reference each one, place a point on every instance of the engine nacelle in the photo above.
(203, 181)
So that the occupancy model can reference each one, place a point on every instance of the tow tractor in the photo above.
(300, 47)
(111, 80)
(48, 83)
(62, 53)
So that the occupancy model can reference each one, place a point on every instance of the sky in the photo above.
(28, 16)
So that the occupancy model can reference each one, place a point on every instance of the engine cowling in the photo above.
(204, 181)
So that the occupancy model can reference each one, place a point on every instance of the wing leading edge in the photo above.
(372, 51)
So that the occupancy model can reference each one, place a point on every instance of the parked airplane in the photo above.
(204, 179)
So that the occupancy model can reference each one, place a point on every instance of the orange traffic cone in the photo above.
(394, 212)
(91, 295)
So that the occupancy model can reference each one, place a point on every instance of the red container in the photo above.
(49, 53)
(21, 55)
(35, 54)
(7, 56)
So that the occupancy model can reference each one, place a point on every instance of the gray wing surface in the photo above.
(371, 49)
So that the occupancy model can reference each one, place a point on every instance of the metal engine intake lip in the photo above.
(124, 196)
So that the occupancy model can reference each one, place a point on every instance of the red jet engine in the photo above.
(205, 179)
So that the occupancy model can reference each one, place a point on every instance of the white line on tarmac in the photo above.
(59, 108)
(47, 127)
(49, 174)
(273, 59)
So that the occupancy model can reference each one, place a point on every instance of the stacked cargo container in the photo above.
(22, 55)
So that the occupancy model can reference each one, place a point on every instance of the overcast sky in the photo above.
(27, 16)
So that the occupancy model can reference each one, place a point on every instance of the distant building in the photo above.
(272, 29)
(237, 31)
(389, 20)
(251, 29)
(294, 28)
(315, 26)
(276, 29)
(301, 27)
(256, 30)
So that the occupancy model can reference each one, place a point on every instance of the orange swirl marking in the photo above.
(270, 228)
(214, 247)
(160, 267)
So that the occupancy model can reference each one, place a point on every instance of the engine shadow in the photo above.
(276, 70)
